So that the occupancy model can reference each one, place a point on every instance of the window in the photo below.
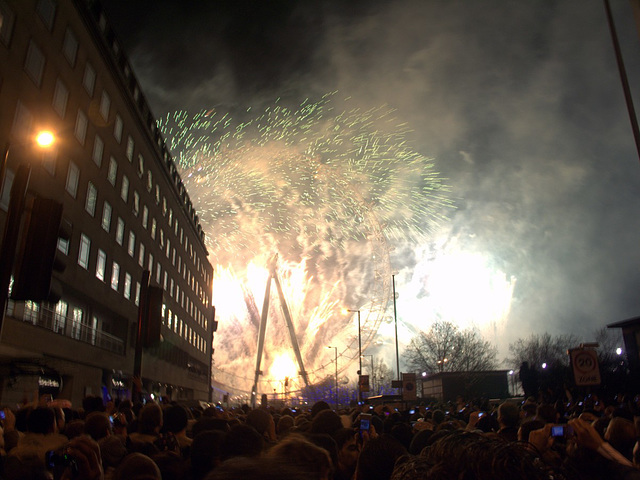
(76, 323)
(130, 147)
(60, 98)
(73, 175)
(46, 11)
(117, 128)
(89, 79)
(83, 252)
(115, 275)
(136, 203)
(102, 22)
(124, 189)
(70, 47)
(137, 298)
(98, 149)
(157, 194)
(7, 18)
(149, 181)
(145, 216)
(63, 245)
(92, 197)
(131, 245)
(105, 105)
(101, 264)
(153, 228)
(34, 63)
(6, 189)
(127, 286)
(60, 318)
(80, 130)
(22, 121)
(120, 231)
(158, 273)
(141, 255)
(106, 216)
(113, 171)
(140, 166)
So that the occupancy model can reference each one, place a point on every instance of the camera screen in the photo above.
(557, 431)
(364, 424)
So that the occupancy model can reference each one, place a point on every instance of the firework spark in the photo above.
(322, 186)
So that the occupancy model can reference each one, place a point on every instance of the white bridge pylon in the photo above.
(273, 274)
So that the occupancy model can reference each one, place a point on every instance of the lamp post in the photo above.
(512, 383)
(17, 201)
(359, 352)
(372, 371)
(336, 362)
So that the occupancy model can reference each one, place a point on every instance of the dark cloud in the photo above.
(519, 102)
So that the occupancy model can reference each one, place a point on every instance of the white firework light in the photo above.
(323, 187)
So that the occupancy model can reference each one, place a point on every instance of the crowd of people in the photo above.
(586, 439)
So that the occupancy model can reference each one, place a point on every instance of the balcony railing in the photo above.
(49, 319)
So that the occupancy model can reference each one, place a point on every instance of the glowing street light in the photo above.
(45, 139)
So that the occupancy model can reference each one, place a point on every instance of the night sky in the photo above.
(519, 104)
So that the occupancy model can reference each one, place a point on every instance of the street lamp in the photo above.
(17, 199)
(336, 362)
(359, 351)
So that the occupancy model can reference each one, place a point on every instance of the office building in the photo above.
(62, 69)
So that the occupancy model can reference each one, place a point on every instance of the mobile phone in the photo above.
(2, 415)
(365, 423)
(561, 431)
(412, 411)
(480, 414)
(111, 419)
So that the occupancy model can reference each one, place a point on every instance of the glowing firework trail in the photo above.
(320, 185)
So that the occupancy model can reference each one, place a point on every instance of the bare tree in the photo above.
(537, 350)
(445, 348)
(609, 340)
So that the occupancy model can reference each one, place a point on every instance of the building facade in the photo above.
(62, 69)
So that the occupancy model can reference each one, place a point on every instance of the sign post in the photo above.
(586, 370)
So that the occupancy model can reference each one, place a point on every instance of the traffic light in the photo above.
(33, 279)
(153, 321)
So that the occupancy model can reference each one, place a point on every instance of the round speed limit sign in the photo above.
(586, 370)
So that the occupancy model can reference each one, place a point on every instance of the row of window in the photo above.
(23, 116)
(34, 66)
(125, 286)
(76, 324)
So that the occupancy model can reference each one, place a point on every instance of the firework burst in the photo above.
(324, 187)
